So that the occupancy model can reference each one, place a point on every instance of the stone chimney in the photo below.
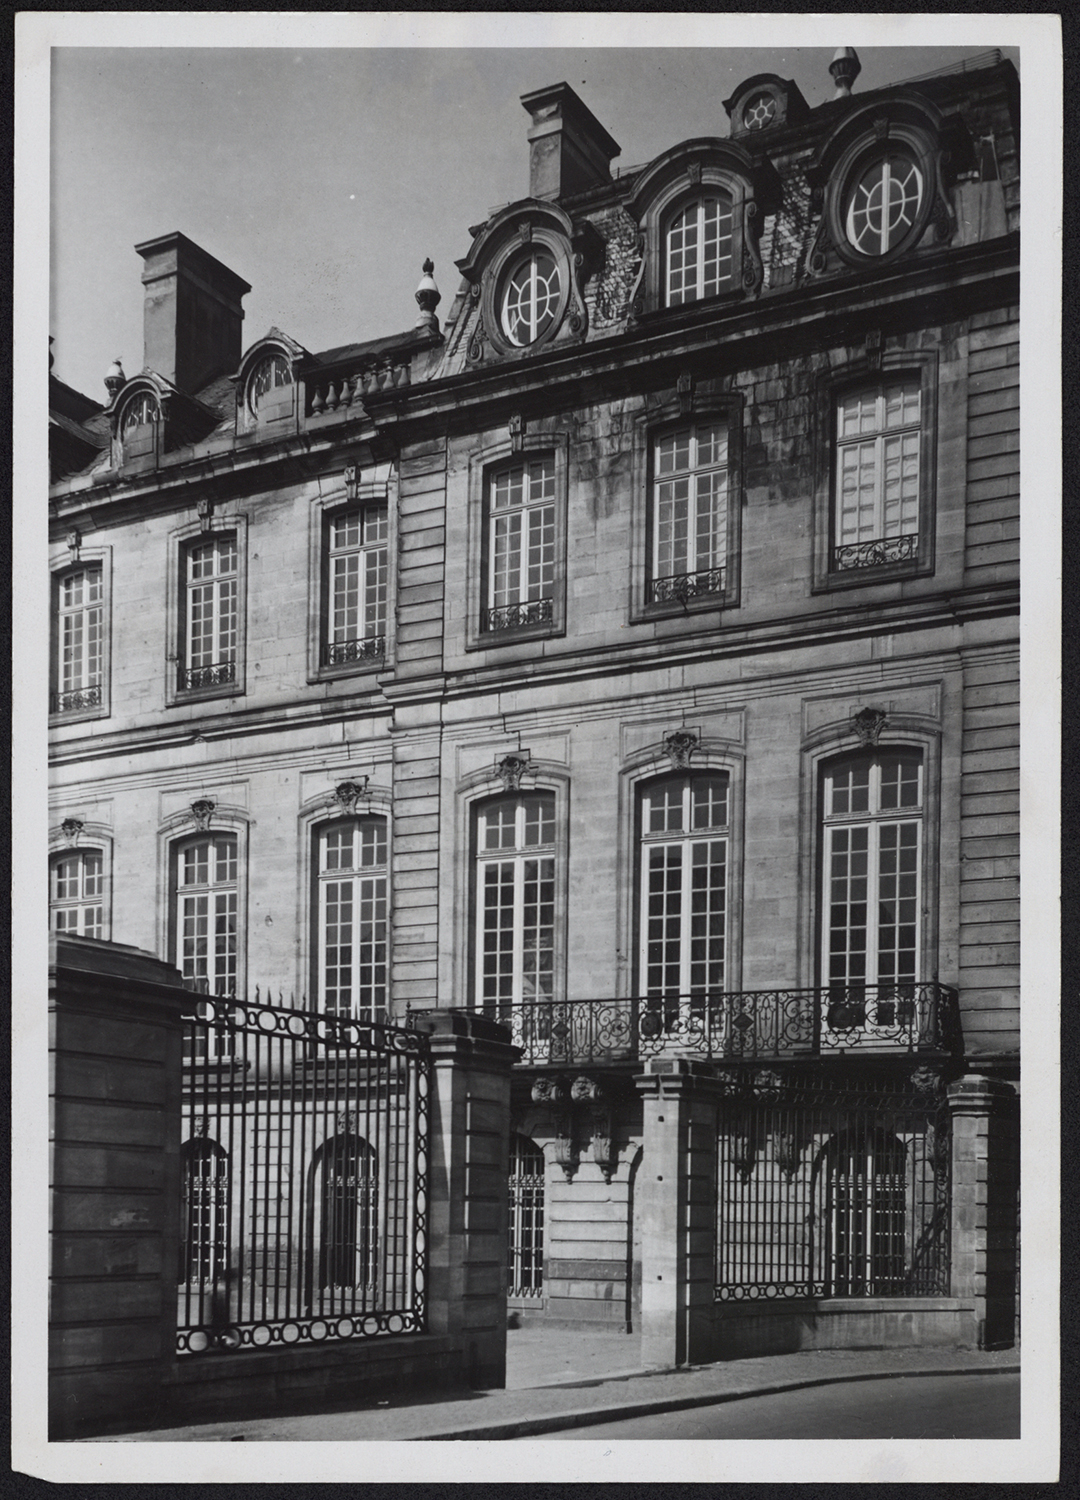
(192, 314)
(569, 150)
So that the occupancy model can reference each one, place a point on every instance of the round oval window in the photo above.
(271, 375)
(884, 204)
(530, 300)
(759, 112)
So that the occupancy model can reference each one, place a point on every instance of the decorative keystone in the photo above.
(679, 746)
(71, 828)
(511, 769)
(868, 724)
(202, 810)
(348, 793)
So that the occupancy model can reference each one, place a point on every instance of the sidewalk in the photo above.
(559, 1378)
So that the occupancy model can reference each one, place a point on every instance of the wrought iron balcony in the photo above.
(370, 648)
(515, 616)
(735, 1026)
(683, 586)
(77, 700)
(219, 675)
(876, 554)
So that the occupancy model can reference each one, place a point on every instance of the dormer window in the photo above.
(530, 302)
(883, 204)
(270, 386)
(701, 207)
(698, 246)
(137, 426)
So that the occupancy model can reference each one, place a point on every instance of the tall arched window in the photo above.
(525, 1251)
(77, 892)
(351, 918)
(515, 903)
(860, 1214)
(683, 894)
(697, 246)
(206, 896)
(343, 1227)
(872, 832)
(204, 1222)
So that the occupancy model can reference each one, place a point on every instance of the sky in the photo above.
(324, 176)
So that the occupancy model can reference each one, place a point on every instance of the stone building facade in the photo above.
(633, 659)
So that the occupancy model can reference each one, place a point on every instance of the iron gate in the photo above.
(833, 1187)
(304, 1213)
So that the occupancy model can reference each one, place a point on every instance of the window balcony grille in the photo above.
(515, 616)
(735, 1026)
(77, 700)
(219, 675)
(685, 586)
(876, 554)
(370, 648)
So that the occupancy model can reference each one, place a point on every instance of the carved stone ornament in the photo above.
(352, 481)
(511, 769)
(565, 1153)
(873, 349)
(585, 1090)
(743, 1156)
(346, 1122)
(679, 746)
(928, 1082)
(868, 724)
(71, 828)
(74, 541)
(348, 793)
(693, 173)
(684, 389)
(787, 1150)
(525, 232)
(200, 1128)
(604, 1151)
(202, 810)
(205, 509)
(516, 427)
(548, 1091)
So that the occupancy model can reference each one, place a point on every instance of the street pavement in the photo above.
(559, 1379)
(905, 1406)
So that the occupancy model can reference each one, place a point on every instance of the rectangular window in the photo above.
(79, 637)
(872, 878)
(683, 896)
(78, 892)
(352, 918)
(357, 580)
(211, 613)
(515, 876)
(877, 478)
(689, 513)
(206, 913)
(520, 546)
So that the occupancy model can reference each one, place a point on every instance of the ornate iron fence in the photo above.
(830, 1187)
(304, 1214)
(747, 1025)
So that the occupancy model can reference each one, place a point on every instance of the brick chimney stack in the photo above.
(569, 150)
(192, 314)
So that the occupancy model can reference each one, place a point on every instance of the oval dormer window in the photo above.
(531, 298)
(760, 111)
(884, 203)
(270, 384)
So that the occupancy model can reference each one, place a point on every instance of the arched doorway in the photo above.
(342, 1231)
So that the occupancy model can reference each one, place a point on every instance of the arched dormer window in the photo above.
(700, 207)
(882, 174)
(266, 384)
(527, 269)
(138, 424)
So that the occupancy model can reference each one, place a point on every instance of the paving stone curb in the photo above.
(591, 1416)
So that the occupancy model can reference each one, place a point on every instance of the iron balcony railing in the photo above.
(744, 1025)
